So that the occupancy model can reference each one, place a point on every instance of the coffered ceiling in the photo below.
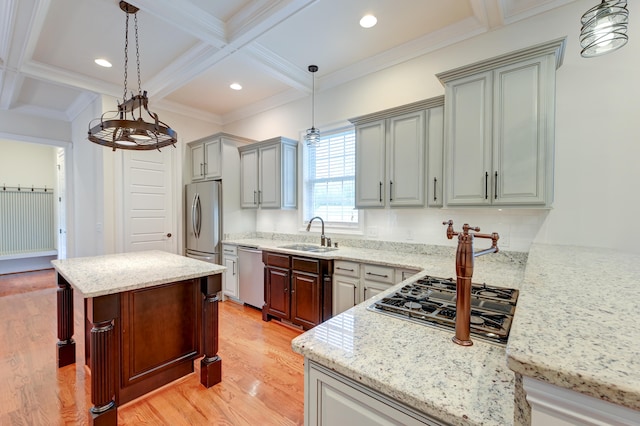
(192, 50)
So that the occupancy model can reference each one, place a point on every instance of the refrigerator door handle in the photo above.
(199, 215)
(194, 223)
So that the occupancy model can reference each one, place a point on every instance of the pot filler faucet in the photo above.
(323, 239)
(464, 272)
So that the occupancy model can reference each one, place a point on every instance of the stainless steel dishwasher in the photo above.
(251, 276)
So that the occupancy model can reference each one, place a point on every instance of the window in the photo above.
(329, 190)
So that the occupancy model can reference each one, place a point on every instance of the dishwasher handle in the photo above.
(249, 249)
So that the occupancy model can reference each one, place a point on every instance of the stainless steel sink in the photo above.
(308, 247)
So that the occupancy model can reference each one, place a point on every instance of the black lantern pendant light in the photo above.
(604, 28)
(313, 135)
(128, 130)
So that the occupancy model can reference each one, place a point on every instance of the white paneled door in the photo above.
(149, 201)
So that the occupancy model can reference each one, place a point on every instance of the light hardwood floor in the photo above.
(262, 378)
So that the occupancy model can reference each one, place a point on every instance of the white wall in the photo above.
(27, 164)
(596, 138)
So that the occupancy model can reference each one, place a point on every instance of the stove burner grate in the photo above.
(431, 301)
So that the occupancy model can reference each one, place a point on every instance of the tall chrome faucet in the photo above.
(322, 237)
(464, 273)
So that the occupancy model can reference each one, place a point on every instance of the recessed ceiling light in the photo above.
(103, 63)
(368, 21)
(235, 86)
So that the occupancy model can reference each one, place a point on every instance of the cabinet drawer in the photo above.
(346, 268)
(305, 265)
(229, 249)
(276, 259)
(383, 274)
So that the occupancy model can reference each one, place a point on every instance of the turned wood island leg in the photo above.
(66, 346)
(102, 313)
(211, 364)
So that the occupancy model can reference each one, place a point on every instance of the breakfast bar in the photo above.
(147, 316)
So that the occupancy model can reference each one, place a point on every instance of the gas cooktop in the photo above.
(432, 301)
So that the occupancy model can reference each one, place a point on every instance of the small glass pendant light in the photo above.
(604, 28)
(313, 134)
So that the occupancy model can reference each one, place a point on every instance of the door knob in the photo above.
(169, 235)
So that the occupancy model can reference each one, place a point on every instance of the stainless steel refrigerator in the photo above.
(203, 215)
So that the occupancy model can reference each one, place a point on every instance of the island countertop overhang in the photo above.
(113, 273)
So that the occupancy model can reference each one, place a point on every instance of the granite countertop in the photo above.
(504, 269)
(576, 324)
(113, 273)
(416, 364)
(574, 327)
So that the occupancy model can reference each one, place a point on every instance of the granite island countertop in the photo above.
(113, 273)
(415, 364)
(576, 325)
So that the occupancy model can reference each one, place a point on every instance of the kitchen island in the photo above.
(147, 315)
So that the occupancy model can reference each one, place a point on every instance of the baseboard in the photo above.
(14, 264)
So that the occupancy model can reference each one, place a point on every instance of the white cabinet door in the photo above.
(231, 276)
(435, 156)
(372, 288)
(468, 139)
(270, 176)
(406, 160)
(520, 130)
(213, 159)
(370, 164)
(332, 399)
(249, 179)
(197, 162)
(345, 293)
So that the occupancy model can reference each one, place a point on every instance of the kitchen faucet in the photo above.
(322, 237)
(464, 272)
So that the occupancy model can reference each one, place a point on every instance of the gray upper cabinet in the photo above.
(391, 154)
(206, 158)
(499, 128)
(435, 156)
(268, 174)
(206, 155)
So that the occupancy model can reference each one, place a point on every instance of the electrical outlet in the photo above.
(372, 231)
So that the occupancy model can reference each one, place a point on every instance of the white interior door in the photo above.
(149, 201)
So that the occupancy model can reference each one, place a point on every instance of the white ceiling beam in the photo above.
(259, 17)
(278, 67)
(73, 80)
(188, 18)
(187, 67)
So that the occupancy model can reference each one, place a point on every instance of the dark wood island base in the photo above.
(139, 340)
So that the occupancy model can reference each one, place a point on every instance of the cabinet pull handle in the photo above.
(201, 169)
(486, 185)
(234, 268)
(390, 190)
(435, 194)
(345, 269)
(259, 197)
(254, 197)
(380, 191)
(355, 297)
(378, 275)
(495, 186)
(206, 167)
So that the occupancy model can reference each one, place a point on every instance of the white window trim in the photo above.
(334, 228)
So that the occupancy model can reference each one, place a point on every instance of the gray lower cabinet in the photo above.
(230, 276)
(332, 399)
